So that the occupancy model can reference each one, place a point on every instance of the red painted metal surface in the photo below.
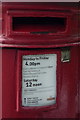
(16, 40)
(79, 82)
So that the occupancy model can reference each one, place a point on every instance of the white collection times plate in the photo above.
(39, 80)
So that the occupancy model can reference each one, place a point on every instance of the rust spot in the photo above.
(51, 98)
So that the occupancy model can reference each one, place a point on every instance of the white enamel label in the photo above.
(39, 80)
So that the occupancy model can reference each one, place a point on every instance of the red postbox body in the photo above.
(40, 60)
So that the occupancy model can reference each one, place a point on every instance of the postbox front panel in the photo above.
(37, 79)
(62, 76)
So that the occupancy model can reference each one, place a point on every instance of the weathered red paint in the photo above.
(17, 43)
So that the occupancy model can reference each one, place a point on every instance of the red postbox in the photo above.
(40, 60)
